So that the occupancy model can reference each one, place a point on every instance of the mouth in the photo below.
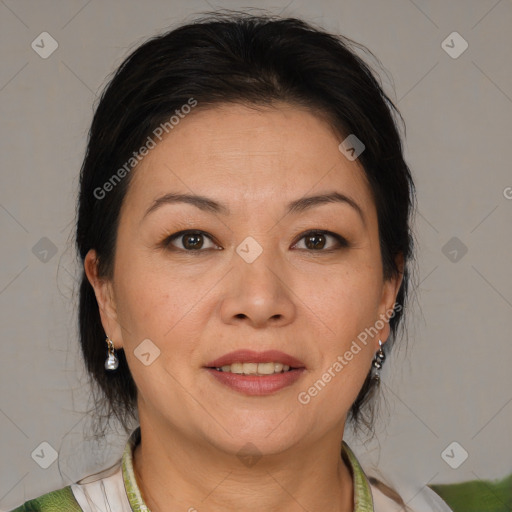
(259, 369)
(256, 373)
(249, 362)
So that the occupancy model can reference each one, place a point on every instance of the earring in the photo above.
(377, 362)
(111, 362)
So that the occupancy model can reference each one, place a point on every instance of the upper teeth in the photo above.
(255, 368)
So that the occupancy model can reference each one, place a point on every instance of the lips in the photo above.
(250, 356)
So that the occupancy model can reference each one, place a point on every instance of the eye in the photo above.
(318, 240)
(189, 241)
(196, 241)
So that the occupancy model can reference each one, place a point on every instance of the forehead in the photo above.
(241, 155)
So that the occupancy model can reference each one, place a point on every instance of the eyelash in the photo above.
(167, 242)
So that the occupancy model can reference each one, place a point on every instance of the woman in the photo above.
(244, 229)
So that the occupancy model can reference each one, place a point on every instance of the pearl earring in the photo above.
(111, 362)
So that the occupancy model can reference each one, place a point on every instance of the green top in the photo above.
(478, 495)
(64, 500)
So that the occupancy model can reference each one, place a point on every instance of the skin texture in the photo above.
(196, 306)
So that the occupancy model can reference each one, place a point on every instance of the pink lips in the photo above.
(249, 356)
(256, 385)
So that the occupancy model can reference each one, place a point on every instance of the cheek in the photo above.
(333, 391)
(166, 310)
(164, 304)
(345, 301)
(344, 304)
(155, 307)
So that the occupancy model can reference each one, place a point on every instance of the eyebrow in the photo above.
(294, 207)
(305, 203)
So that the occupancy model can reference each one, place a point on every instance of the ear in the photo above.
(104, 292)
(390, 289)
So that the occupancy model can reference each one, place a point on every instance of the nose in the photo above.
(258, 294)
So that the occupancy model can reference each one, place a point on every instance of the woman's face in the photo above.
(247, 277)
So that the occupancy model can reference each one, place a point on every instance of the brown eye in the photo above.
(190, 241)
(318, 240)
(193, 241)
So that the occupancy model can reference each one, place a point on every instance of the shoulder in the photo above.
(387, 499)
(101, 492)
(62, 500)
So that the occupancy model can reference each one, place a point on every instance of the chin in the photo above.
(253, 431)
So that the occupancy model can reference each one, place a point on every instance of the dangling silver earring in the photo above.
(377, 362)
(112, 362)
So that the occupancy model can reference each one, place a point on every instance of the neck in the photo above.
(181, 474)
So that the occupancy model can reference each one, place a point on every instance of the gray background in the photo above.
(453, 383)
